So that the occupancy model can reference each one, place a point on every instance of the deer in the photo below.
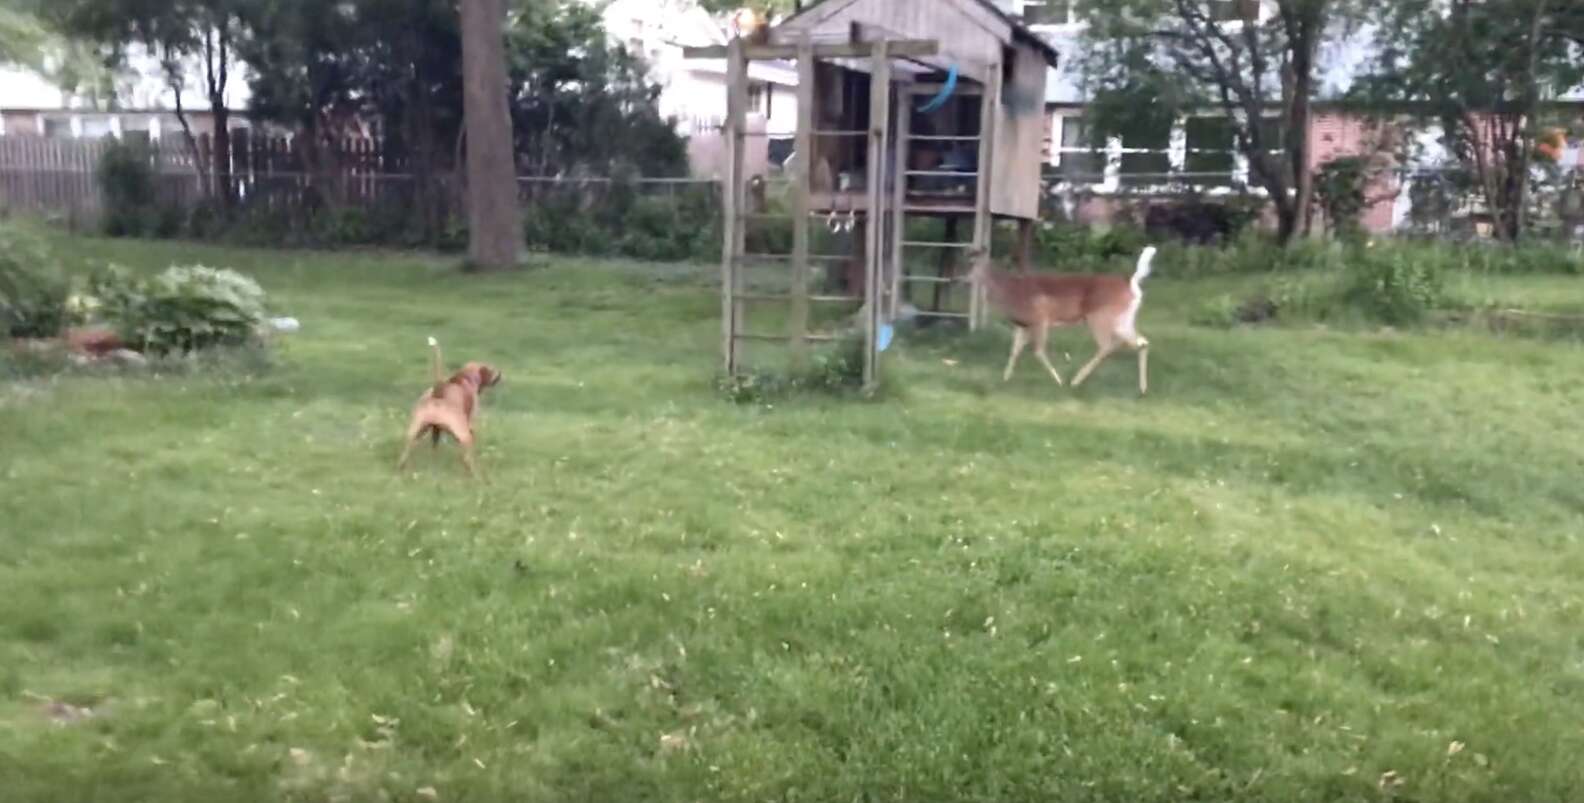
(1035, 303)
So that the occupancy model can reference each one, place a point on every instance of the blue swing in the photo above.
(944, 94)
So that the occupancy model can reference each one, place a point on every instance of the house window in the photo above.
(1146, 156)
(756, 99)
(1234, 10)
(57, 128)
(1078, 159)
(1049, 12)
(96, 127)
(1210, 156)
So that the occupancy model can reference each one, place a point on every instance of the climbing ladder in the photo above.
(907, 203)
(892, 198)
(735, 297)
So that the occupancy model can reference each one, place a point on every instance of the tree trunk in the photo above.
(222, 154)
(494, 233)
(422, 159)
(1298, 127)
(217, 55)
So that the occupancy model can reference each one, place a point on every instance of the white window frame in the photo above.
(1177, 157)
(1073, 23)
(1264, 15)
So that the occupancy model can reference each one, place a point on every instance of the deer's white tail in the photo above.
(1143, 271)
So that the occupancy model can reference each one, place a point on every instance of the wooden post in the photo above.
(900, 150)
(989, 111)
(948, 261)
(801, 176)
(879, 114)
(732, 198)
(1025, 246)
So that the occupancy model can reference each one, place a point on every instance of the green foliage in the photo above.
(765, 6)
(1147, 62)
(1071, 248)
(182, 310)
(1220, 312)
(400, 61)
(33, 289)
(659, 226)
(1339, 188)
(1286, 297)
(1454, 64)
(22, 37)
(126, 183)
(837, 371)
(568, 80)
(1394, 286)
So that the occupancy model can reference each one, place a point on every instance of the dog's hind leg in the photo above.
(415, 431)
(465, 439)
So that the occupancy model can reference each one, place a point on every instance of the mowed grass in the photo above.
(1312, 565)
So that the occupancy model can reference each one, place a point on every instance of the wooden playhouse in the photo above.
(907, 110)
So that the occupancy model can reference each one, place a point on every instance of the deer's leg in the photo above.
(1105, 343)
(1041, 334)
(1019, 340)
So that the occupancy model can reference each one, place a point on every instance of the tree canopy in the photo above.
(1152, 61)
(1484, 72)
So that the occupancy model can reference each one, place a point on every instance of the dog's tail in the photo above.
(1143, 271)
(437, 363)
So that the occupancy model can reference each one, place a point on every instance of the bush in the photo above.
(1196, 220)
(835, 371)
(1339, 191)
(184, 309)
(33, 289)
(1394, 285)
(126, 181)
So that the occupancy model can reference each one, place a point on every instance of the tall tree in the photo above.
(568, 79)
(1252, 60)
(1483, 72)
(186, 35)
(494, 229)
(771, 7)
(22, 37)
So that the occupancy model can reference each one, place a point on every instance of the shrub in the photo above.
(126, 181)
(1221, 312)
(835, 371)
(1394, 285)
(1339, 190)
(184, 309)
(1196, 220)
(33, 289)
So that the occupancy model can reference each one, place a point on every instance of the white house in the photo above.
(143, 104)
(694, 91)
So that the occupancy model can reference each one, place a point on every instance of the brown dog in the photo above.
(449, 407)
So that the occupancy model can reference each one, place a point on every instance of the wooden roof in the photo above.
(1021, 34)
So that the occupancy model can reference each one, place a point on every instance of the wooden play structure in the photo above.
(908, 111)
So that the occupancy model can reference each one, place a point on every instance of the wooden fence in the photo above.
(278, 175)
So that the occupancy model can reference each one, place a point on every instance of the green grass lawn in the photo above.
(1312, 565)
